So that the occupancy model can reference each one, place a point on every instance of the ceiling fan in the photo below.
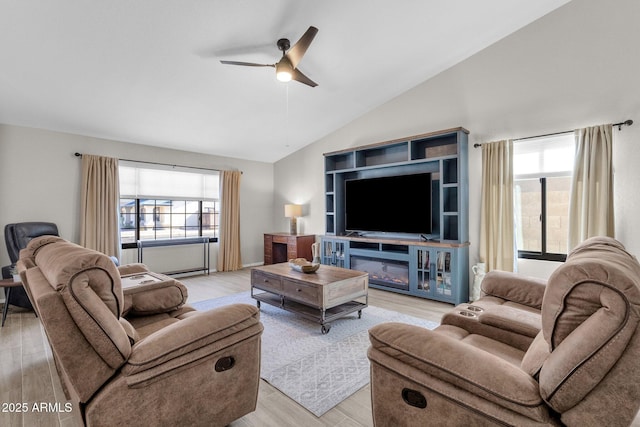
(286, 68)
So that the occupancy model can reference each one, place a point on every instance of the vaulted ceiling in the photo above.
(149, 71)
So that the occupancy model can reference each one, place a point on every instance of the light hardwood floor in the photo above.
(28, 374)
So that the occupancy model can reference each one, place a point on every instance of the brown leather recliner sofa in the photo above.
(140, 356)
(581, 369)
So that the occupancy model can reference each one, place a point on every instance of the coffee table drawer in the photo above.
(266, 282)
(303, 292)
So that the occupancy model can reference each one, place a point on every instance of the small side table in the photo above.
(7, 284)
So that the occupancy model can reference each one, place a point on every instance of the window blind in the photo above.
(173, 183)
(547, 156)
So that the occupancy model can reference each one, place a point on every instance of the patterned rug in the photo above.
(317, 371)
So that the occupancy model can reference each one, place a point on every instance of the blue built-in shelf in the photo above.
(438, 268)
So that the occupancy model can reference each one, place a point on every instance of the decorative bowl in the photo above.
(304, 266)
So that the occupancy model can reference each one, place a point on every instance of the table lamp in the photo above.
(293, 212)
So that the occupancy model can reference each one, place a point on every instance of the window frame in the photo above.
(543, 255)
(141, 186)
(136, 214)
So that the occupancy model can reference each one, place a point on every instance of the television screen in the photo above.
(398, 204)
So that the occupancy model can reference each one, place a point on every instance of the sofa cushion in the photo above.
(504, 285)
(513, 319)
(28, 254)
(509, 322)
(505, 352)
(62, 262)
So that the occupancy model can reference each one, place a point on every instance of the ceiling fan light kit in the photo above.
(284, 71)
(286, 68)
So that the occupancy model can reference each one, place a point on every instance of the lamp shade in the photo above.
(292, 211)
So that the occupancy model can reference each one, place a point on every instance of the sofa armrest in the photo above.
(398, 345)
(132, 269)
(147, 293)
(190, 340)
(514, 287)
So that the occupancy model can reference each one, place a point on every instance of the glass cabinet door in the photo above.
(424, 270)
(433, 275)
(333, 253)
(443, 261)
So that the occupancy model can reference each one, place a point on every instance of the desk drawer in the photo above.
(303, 292)
(284, 239)
(265, 281)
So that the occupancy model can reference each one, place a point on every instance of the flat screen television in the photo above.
(392, 204)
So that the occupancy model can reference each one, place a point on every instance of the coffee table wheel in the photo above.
(359, 314)
(325, 328)
(258, 304)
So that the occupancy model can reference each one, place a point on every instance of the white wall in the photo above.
(40, 181)
(575, 67)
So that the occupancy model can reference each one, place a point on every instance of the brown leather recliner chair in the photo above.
(580, 370)
(140, 356)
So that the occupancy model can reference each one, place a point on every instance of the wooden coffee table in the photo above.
(323, 296)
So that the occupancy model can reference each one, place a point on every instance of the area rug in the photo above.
(317, 371)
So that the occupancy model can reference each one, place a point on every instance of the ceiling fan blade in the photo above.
(296, 53)
(247, 64)
(299, 77)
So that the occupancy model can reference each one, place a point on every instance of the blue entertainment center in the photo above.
(433, 261)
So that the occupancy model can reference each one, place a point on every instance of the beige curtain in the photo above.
(229, 258)
(591, 200)
(496, 216)
(100, 204)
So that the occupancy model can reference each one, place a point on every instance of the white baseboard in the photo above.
(255, 264)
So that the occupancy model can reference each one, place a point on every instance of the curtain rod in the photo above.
(162, 164)
(625, 123)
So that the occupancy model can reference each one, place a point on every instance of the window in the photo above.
(542, 181)
(161, 203)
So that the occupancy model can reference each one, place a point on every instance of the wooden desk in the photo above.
(7, 284)
(281, 247)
